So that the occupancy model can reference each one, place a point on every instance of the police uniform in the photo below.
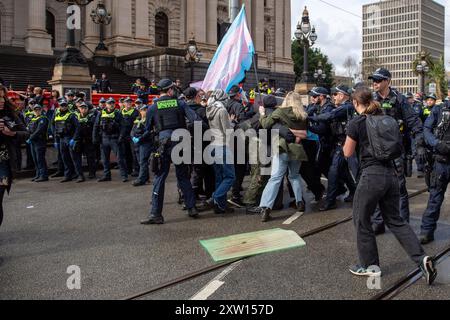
(28, 115)
(126, 148)
(143, 147)
(339, 171)
(38, 128)
(108, 130)
(437, 136)
(84, 142)
(165, 116)
(395, 105)
(66, 128)
(71, 101)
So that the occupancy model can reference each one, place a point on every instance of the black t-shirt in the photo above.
(357, 130)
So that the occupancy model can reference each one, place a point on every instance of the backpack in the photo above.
(384, 138)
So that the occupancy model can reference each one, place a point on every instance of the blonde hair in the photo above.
(294, 100)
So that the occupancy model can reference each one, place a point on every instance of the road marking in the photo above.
(214, 284)
(413, 191)
(293, 218)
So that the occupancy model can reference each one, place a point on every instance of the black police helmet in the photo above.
(165, 84)
(190, 93)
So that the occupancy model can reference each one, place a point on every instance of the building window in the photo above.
(50, 26)
(161, 30)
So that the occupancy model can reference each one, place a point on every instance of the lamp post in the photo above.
(422, 68)
(193, 55)
(320, 75)
(102, 17)
(71, 55)
(306, 36)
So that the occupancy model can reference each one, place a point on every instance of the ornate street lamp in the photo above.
(320, 75)
(422, 68)
(101, 16)
(71, 55)
(193, 55)
(306, 36)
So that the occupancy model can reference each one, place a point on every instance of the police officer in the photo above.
(108, 130)
(84, 144)
(143, 144)
(394, 105)
(71, 102)
(126, 148)
(38, 128)
(437, 136)
(321, 105)
(337, 120)
(165, 116)
(66, 128)
(101, 104)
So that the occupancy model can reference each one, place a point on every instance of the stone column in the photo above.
(20, 22)
(211, 22)
(287, 30)
(279, 31)
(92, 32)
(248, 9)
(37, 40)
(196, 13)
(142, 17)
(258, 26)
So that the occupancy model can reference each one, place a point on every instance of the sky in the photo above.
(339, 32)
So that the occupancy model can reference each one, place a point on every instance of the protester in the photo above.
(292, 114)
(379, 185)
(104, 84)
(9, 137)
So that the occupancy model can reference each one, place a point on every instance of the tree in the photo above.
(351, 67)
(437, 75)
(314, 56)
(370, 64)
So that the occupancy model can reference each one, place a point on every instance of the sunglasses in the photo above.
(378, 80)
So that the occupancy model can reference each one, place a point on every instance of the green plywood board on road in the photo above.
(251, 244)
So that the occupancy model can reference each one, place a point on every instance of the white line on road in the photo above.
(214, 284)
(293, 218)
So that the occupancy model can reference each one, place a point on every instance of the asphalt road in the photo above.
(49, 227)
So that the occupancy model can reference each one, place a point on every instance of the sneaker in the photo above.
(236, 202)
(428, 270)
(153, 220)
(81, 179)
(350, 198)
(253, 211)
(193, 213)
(206, 205)
(364, 272)
(301, 207)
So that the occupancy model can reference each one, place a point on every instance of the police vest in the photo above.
(427, 112)
(339, 127)
(63, 127)
(127, 114)
(86, 124)
(108, 123)
(139, 128)
(34, 124)
(170, 116)
(442, 131)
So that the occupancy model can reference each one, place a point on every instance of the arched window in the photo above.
(50, 26)
(161, 30)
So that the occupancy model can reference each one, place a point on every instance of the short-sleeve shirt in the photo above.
(357, 130)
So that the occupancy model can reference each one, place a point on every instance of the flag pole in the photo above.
(257, 80)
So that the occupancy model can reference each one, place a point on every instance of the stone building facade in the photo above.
(153, 29)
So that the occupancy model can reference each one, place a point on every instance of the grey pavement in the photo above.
(49, 227)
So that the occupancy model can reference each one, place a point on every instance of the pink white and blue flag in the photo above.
(233, 57)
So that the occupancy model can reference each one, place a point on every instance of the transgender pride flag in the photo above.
(233, 57)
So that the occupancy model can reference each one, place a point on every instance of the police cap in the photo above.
(37, 106)
(341, 89)
(111, 101)
(165, 84)
(270, 101)
(102, 100)
(381, 74)
(431, 96)
(318, 91)
(190, 93)
(128, 99)
(62, 102)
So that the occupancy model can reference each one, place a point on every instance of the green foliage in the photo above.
(438, 76)
(314, 57)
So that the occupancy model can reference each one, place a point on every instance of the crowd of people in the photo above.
(332, 137)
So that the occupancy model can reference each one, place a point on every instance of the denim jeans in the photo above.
(280, 165)
(225, 175)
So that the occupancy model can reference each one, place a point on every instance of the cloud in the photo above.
(340, 32)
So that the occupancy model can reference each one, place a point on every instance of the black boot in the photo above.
(57, 175)
(379, 229)
(265, 214)
(301, 207)
(193, 213)
(328, 207)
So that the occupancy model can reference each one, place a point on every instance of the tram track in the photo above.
(209, 269)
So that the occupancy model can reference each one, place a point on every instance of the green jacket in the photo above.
(286, 117)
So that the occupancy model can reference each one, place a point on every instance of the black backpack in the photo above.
(384, 138)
